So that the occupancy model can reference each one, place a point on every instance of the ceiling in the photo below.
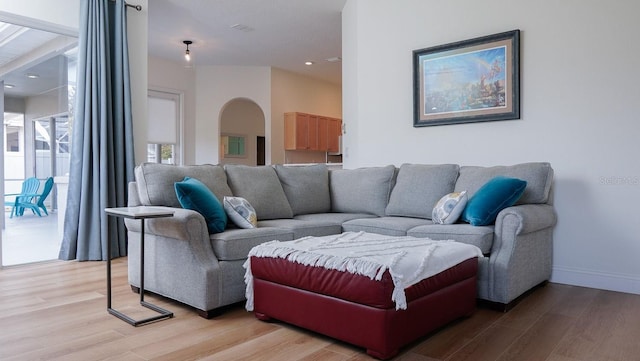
(32, 61)
(275, 33)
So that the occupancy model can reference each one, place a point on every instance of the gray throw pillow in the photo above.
(306, 188)
(419, 187)
(261, 187)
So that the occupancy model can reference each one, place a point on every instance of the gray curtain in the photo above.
(102, 155)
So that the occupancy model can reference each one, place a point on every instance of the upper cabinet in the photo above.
(334, 131)
(304, 131)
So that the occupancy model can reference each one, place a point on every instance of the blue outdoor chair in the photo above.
(29, 198)
(48, 186)
(29, 191)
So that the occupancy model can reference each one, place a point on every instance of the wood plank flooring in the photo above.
(57, 311)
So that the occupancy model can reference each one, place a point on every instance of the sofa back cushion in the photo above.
(362, 190)
(306, 188)
(539, 177)
(261, 187)
(156, 182)
(419, 187)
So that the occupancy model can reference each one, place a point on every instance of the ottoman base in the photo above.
(382, 331)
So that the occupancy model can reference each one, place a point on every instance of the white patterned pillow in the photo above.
(241, 212)
(449, 208)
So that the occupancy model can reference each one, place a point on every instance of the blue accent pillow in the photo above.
(195, 195)
(495, 195)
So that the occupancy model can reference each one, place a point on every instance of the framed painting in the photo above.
(473, 80)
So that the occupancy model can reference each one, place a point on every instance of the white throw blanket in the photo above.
(408, 259)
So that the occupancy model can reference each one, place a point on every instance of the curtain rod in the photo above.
(137, 7)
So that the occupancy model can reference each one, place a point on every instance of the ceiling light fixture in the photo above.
(187, 54)
(33, 76)
(9, 86)
(308, 63)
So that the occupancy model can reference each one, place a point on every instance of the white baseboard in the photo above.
(592, 279)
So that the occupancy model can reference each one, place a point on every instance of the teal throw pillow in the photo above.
(495, 195)
(195, 195)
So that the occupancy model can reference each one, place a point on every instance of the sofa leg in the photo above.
(208, 314)
(135, 289)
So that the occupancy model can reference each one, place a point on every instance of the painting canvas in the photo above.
(469, 81)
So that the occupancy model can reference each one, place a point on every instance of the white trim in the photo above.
(37, 24)
(594, 279)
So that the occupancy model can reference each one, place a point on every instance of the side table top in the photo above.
(140, 212)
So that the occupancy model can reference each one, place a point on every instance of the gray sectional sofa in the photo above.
(186, 263)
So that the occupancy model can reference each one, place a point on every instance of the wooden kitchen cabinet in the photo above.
(334, 131)
(304, 131)
(323, 134)
(296, 131)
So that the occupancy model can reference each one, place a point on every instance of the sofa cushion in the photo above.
(539, 177)
(261, 187)
(390, 226)
(494, 196)
(419, 187)
(156, 182)
(481, 237)
(304, 228)
(335, 218)
(235, 244)
(362, 190)
(449, 208)
(306, 188)
(193, 194)
(240, 212)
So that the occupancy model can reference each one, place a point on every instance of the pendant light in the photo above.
(187, 53)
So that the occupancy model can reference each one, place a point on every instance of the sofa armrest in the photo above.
(521, 253)
(185, 225)
(525, 218)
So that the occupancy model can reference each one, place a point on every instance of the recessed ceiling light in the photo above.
(33, 76)
(334, 59)
(308, 63)
(9, 86)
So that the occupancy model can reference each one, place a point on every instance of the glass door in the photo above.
(38, 89)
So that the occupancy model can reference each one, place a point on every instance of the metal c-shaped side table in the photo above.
(140, 213)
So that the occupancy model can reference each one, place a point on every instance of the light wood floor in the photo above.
(57, 311)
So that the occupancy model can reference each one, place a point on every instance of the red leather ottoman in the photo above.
(358, 310)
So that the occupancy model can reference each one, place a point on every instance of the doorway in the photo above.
(242, 123)
(38, 94)
(260, 151)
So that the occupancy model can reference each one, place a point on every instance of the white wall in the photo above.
(217, 85)
(580, 87)
(137, 25)
(173, 77)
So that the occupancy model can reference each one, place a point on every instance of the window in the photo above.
(233, 146)
(13, 138)
(164, 125)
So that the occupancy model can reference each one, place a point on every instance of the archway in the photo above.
(242, 133)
